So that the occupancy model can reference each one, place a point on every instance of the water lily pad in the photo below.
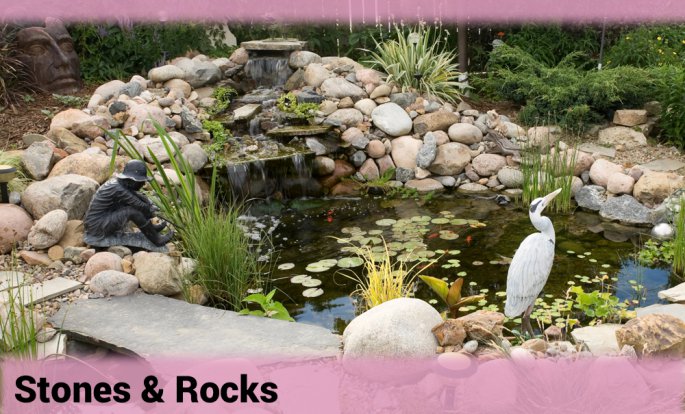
(462, 274)
(375, 232)
(286, 266)
(440, 220)
(433, 301)
(477, 263)
(459, 222)
(386, 222)
(349, 262)
(449, 236)
(312, 292)
(317, 268)
(311, 282)
(328, 262)
(299, 278)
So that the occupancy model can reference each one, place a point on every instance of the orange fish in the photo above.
(468, 240)
(432, 236)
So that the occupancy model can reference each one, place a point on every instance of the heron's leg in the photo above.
(525, 322)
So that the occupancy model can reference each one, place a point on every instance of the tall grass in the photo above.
(17, 322)
(426, 65)
(15, 77)
(208, 233)
(542, 174)
(21, 180)
(679, 241)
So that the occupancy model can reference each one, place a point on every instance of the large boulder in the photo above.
(71, 193)
(340, 88)
(654, 186)
(626, 210)
(434, 121)
(510, 177)
(302, 58)
(391, 119)
(601, 170)
(93, 166)
(399, 328)
(165, 73)
(113, 283)
(157, 273)
(543, 136)
(465, 133)
(452, 158)
(315, 74)
(48, 230)
(425, 185)
(66, 140)
(620, 135)
(348, 117)
(404, 151)
(143, 117)
(14, 226)
(591, 197)
(488, 164)
(620, 183)
(100, 262)
(630, 117)
(198, 72)
(657, 335)
(38, 159)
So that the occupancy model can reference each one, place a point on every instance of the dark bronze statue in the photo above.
(117, 203)
(49, 53)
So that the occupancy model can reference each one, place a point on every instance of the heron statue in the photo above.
(530, 267)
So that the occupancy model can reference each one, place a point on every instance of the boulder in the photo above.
(93, 166)
(113, 283)
(626, 210)
(399, 328)
(323, 166)
(434, 121)
(487, 165)
(381, 91)
(656, 335)
(591, 197)
(315, 74)
(66, 140)
(428, 151)
(483, 326)
(71, 193)
(405, 150)
(376, 149)
(348, 117)
(157, 273)
(165, 73)
(365, 106)
(15, 226)
(38, 159)
(100, 262)
(302, 58)
(92, 127)
(510, 177)
(109, 90)
(48, 230)
(340, 88)
(465, 134)
(369, 170)
(239, 56)
(674, 294)
(179, 87)
(366, 76)
(195, 155)
(73, 234)
(630, 117)
(620, 183)
(653, 187)
(602, 169)
(473, 188)
(425, 185)
(391, 119)
(198, 73)
(68, 118)
(620, 135)
(543, 136)
(450, 160)
(143, 118)
(450, 333)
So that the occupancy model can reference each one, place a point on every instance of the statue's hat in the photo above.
(135, 170)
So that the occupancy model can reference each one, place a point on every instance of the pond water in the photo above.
(478, 233)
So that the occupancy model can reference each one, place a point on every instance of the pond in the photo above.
(470, 237)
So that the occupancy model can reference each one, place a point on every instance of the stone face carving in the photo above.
(116, 204)
(49, 53)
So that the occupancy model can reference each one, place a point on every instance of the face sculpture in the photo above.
(49, 53)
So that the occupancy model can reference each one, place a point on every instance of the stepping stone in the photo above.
(674, 294)
(10, 279)
(600, 339)
(153, 326)
(664, 164)
(40, 292)
(246, 112)
(673, 309)
(299, 130)
(54, 348)
(594, 148)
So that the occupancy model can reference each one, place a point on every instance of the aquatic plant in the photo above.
(18, 322)
(219, 135)
(451, 294)
(269, 307)
(419, 61)
(542, 174)
(654, 253)
(288, 103)
(601, 306)
(222, 96)
(679, 241)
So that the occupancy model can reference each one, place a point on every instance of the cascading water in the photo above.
(269, 71)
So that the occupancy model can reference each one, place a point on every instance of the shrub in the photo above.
(671, 85)
(647, 46)
(15, 79)
(549, 44)
(679, 241)
(425, 65)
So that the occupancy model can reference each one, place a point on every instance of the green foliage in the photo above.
(671, 85)
(18, 322)
(223, 97)
(227, 262)
(21, 180)
(269, 307)
(679, 241)
(649, 46)
(451, 295)
(288, 103)
(543, 174)
(15, 78)
(111, 52)
(219, 136)
(424, 65)
(598, 305)
(71, 101)
(654, 253)
(549, 44)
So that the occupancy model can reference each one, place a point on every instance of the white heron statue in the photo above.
(531, 265)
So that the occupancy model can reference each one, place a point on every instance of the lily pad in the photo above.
(317, 268)
(312, 292)
(349, 262)
(286, 266)
(449, 235)
(328, 262)
(311, 282)
(385, 222)
(440, 220)
(299, 278)
(459, 222)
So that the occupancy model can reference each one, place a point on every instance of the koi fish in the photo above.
(469, 239)
(432, 236)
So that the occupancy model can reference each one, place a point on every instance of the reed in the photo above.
(544, 173)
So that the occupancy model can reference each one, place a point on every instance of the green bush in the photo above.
(549, 44)
(647, 46)
(671, 85)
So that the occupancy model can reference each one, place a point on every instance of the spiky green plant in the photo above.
(542, 174)
(15, 78)
(420, 61)
(679, 241)
(17, 322)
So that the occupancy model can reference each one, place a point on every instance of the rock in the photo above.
(323, 166)
(663, 231)
(93, 166)
(543, 136)
(674, 294)
(48, 230)
(535, 345)
(56, 252)
(178, 88)
(487, 165)
(239, 56)
(450, 333)
(38, 159)
(66, 140)
(132, 89)
(591, 148)
(342, 169)
(143, 117)
(483, 326)
(465, 134)
(620, 183)
(450, 160)
(672, 309)
(510, 177)
(630, 117)
(68, 118)
(365, 106)
(425, 185)
(113, 283)
(156, 146)
(315, 74)
(473, 188)
(315, 146)
(403, 99)
(345, 103)
(90, 127)
(446, 181)
(600, 339)
(100, 262)
(340, 88)
(190, 122)
(654, 187)
(15, 226)
(391, 119)
(109, 90)
(30, 138)
(71, 193)
(428, 151)
(399, 328)
(376, 149)
(602, 169)
(369, 170)
(404, 175)
(655, 335)
(553, 333)
(198, 73)
(35, 258)
(405, 150)
(348, 117)
(381, 91)
(302, 58)
(157, 273)
(439, 120)
(195, 155)
(165, 73)
(441, 137)
(591, 197)
(620, 135)
(366, 76)
(511, 130)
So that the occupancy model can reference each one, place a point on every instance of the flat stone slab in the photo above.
(152, 326)
(273, 44)
(299, 131)
(600, 339)
(594, 148)
(673, 309)
(664, 164)
(40, 292)
(674, 294)
(246, 112)
(11, 279)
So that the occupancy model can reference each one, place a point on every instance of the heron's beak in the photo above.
(549, 197)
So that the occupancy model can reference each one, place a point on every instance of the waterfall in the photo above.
(269, 71)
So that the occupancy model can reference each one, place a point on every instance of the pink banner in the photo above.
(352, 11)
(449, 384)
